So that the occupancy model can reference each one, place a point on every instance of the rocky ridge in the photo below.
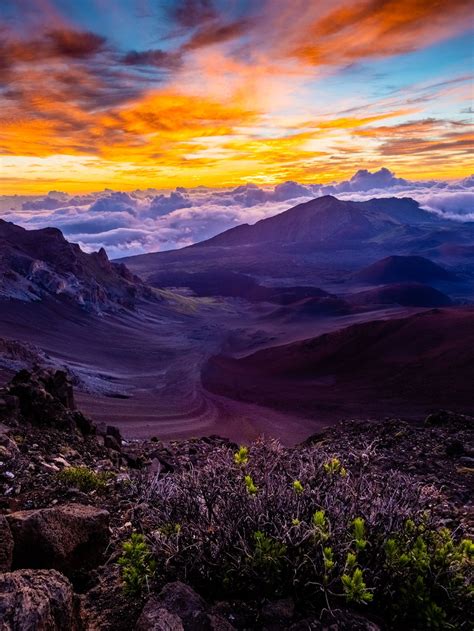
(40, 264)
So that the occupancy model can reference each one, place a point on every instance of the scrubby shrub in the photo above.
(137, 563)
(303, 523)
(84, 479)
(427, 569)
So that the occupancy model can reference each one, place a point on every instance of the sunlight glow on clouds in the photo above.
(219, 93)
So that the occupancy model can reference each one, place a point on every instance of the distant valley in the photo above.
(330, 308)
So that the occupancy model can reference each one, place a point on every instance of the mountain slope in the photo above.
(412, 363)
(399, 269)
(325, 218)
(315, 243)
(403, 294)
(35, 264)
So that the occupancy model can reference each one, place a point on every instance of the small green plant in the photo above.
(298, 487)
(427, 571)
(268, 552)
(137, 564)
(355, 588)
(334, 466)
(169, 529)
(359, 533)
(251, 487)
(328, 558)
(321, 526)
(84, 479)
(351, 562)
(241, 457)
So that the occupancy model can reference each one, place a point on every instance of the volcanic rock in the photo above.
(39, 264)
(43, 397)
(66, 538)
(36, 600)
(178, 608)
(6, 545)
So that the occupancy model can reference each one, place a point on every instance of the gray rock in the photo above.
(111, 442)
(178, 608)
(155, 618)
(181, 600)
(6, 545)
(66, 538)
(34, 600)
(278, 610)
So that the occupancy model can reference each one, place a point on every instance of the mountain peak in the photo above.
(325, 219)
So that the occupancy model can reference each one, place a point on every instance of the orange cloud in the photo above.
(230, 101)
(354, 31)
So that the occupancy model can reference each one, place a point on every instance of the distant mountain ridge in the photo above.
(321, 243)
(326, 218)
(35, 264)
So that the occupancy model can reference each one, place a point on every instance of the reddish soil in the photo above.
(142, 371)
(410, 365)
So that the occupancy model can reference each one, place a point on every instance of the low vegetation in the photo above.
(137, 563)
(306, 524)
(84, 479)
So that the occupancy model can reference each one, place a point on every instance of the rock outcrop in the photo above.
(43, 397)
(39, 264)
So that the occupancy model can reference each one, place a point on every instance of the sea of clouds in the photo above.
(148, 220)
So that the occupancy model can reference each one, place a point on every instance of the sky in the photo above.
(133, 94)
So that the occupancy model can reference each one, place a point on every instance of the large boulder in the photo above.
(178, 608)
(34, 600)
(6, 545)
(67, 538)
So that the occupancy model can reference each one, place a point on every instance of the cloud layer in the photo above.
(150, 220)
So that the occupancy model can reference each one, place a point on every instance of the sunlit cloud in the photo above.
(208, 92)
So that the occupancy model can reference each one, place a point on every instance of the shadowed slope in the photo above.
(412, 363)
(398, 269)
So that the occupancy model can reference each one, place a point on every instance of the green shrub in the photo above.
(84, 479)
(250, 485)
(355, 588)
(359, 533)
(297, 486)
(427, 572)
(137, 563)
(301, 524)
(241, 457)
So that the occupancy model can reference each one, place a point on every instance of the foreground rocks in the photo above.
(43, 397)
(66, 538)
(51, 528)
(178, 608)
(37, 600)
(6, 545)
